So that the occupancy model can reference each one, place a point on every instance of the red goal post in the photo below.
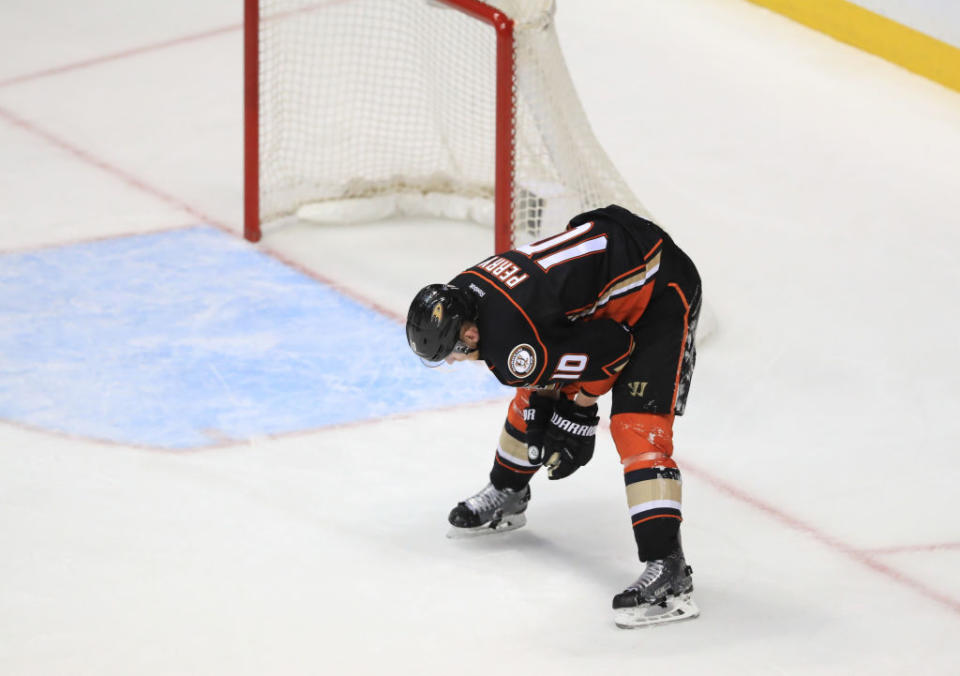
(356, 109)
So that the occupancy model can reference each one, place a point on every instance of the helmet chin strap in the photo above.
(460, 348)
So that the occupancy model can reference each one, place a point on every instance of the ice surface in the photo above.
(192, 338)
(815, 186)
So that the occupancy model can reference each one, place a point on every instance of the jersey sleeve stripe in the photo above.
(597, 388)
(615, 366)
(628, 282)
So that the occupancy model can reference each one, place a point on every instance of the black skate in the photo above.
(661, 594)
(489, 511)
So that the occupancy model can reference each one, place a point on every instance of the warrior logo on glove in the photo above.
(570, 437)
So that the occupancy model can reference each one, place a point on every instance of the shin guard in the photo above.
(645, 444)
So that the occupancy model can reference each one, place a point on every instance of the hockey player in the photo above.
(609, 304)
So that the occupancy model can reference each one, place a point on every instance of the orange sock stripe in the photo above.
(500, 462)
(658, 516)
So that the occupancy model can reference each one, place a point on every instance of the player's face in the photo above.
(466, 349)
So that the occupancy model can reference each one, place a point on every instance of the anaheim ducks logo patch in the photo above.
(437, 314)
(522, 360)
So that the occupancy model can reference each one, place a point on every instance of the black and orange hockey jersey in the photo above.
(559, 311)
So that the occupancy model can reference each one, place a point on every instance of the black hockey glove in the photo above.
(570, 438)
(537, 416)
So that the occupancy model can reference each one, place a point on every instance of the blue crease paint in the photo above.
(187, 338)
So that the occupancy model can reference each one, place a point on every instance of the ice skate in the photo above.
(489, 511)
(661, 594)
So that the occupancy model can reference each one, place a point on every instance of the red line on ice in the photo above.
(103, 165)
(116, 56)
(155, 46)
(862, 557)
(906, 549)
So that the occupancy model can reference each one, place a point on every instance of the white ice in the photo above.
(817, 188)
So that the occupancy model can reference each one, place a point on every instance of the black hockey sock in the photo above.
(503, 475)
(656, 538)
(511, 468)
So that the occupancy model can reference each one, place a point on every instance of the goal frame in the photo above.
(504, 127)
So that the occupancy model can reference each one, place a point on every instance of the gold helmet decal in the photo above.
(437, 314)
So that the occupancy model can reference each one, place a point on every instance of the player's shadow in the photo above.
(592, 553)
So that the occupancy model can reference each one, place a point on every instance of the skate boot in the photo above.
(489, 511)
(661, 594)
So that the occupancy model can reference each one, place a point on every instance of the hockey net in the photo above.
(359, 109)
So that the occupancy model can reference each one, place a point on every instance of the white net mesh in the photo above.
(390, 105)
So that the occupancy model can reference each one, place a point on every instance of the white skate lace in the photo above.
(649, 575)
(486, 500)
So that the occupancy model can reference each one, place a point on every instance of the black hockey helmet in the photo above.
(434, 320)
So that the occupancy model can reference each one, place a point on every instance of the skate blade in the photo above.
(677, 608)
(511, 522)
